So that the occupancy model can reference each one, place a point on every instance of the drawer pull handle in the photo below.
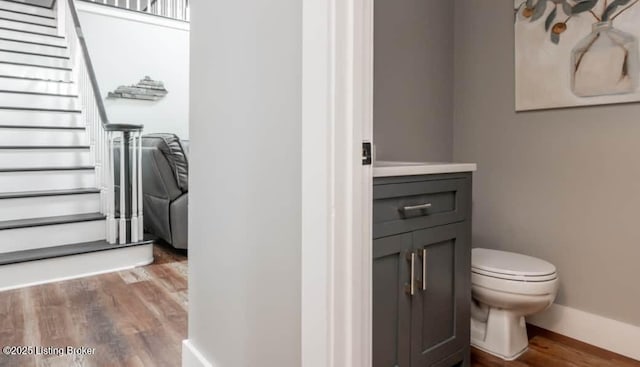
(411, 287)
(416, 207)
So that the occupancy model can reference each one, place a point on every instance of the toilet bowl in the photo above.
(506, 287)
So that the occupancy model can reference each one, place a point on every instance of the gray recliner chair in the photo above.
(165, 179)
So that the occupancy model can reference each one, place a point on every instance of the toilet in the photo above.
(506, 287)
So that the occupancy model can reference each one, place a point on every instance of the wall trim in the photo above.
(191, 356)
(337, 108)
(602, 332)
(135, 16)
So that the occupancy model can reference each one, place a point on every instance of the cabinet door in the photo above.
(391, 303)
(440, 307)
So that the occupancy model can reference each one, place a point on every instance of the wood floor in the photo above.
(132, 318)
(547, 349)
(138, 318)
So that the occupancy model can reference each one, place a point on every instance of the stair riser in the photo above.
(33, 59)
(40, 118)
(44, 158)
(31, 273)
(37, 86)
(48, 206)
(27, 9)
(29, 37)
(19, 100)
(28, 27)
(48, 236)
(31, 137)
(27, 18)
(46, 180)
(35, 72)
(35, 49)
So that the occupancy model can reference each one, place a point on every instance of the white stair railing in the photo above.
(123, 210)
(175, 9)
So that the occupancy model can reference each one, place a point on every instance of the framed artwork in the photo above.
(576, 53)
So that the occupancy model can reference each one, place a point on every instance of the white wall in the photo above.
(125, 47)
(245, 183)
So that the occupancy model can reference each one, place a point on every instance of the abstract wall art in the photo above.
(576, 53)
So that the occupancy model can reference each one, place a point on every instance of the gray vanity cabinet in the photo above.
(421, 271)
(392, 306)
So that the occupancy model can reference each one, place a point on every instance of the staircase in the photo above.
(53, 205)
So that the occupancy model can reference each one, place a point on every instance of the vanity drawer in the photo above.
(408, 206)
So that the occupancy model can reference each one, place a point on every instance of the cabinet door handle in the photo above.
(416, 207)
(411, 287)
(424, 269)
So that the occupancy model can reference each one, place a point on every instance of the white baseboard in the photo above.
(191, 357)
(32, 273)
(612, 335)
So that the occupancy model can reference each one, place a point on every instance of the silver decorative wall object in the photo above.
(147, 90)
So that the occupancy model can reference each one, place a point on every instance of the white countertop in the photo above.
(390, 169)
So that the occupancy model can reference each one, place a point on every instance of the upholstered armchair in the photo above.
(165, 178)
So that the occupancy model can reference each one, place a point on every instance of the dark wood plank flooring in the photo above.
(547, 349)
(132, 318)
(138, 318)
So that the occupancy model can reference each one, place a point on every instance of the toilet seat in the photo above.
(516, 278)
(511, 266)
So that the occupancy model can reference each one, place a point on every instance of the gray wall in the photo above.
(413, 80)
(245, 193)
(563, 185)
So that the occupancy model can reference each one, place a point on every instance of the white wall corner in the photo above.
(191, 357)
(609, 334)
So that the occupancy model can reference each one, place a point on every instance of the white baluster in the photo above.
(123, 196)
(140, 191)
(105, 160)
(149, 6)
(111, 218)
(134, 188)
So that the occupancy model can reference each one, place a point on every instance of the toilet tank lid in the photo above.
(503, 262)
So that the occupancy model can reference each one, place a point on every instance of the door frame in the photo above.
(337, 116)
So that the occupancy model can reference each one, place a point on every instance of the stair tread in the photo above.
(41, 169)
(25, 22)
(32, 42)
(62, 251)
(35, 65)
(31, 32)
(40, 109)
(8, 91)
(33, 194)
(26, 4)
(43, 127)
(49, 221)
(29, 14)
(34, 54)
(51, 147)
(37, 79)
